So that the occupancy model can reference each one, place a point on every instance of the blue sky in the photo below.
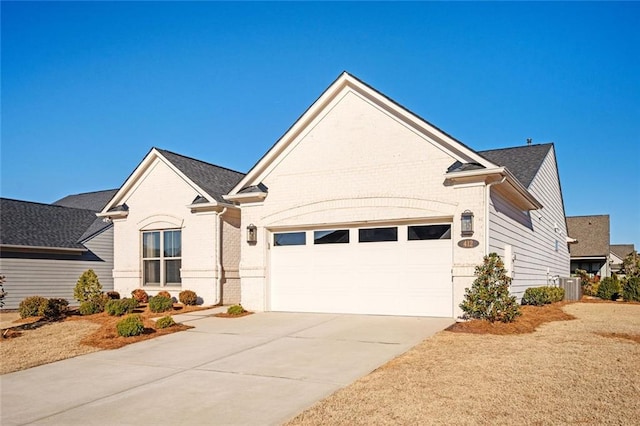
(89, 88)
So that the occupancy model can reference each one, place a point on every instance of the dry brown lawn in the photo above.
(580, 371)
(31, 342)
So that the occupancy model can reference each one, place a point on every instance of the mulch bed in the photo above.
(532, 317)
(226, 315)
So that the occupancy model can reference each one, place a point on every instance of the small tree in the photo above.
(88, 287)
(489, 298)
(631, 264)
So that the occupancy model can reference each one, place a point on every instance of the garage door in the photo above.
(386, 270)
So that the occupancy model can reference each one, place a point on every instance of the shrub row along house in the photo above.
(360, 207)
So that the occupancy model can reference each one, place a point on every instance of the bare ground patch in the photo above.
(564, 373)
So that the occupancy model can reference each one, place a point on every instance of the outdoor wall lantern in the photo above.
(252, 234)
(467, 223)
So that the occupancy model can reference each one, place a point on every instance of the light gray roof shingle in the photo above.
(24, 223)
(523, 161)
(592, 233)
(94, 201)
(215, 180)
(622, 250)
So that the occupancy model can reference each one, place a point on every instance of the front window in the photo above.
(162, 258)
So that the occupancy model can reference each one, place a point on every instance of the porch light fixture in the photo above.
(466, 220)
(252, 234)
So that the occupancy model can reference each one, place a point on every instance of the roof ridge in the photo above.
(195, 159)
(90, 192)
(516, 147)
(589, 215)
(46, 204)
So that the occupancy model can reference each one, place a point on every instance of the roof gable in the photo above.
(210, 182)
(31, 224)
(622, 250)
(592, 233)
(345, 83)
(523, 161)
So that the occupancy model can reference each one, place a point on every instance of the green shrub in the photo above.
(631, 289)
(94, 306)
(539, 296)
(165, 322)
(609, 288)
(489, 298)
(56, 308)
(131, 325)
(140, 295)
(188, 297)
(87, 287)
(120, 307)
(113, 295)
(33, 306)
(236, 310)
(160, 304)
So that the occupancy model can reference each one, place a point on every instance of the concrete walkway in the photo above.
(255, 370)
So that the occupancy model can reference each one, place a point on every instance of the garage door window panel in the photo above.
(336, 236)
(429, 232)
(372, 235)
(289, 239)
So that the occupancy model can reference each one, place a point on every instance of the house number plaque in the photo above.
(468, 243)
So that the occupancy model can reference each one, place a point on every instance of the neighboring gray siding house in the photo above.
(45, 247)
(591, 251)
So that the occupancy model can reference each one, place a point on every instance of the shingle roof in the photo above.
(523, 161)
(94, 201)
(592, 233)
(215, 180)
(622, 250)
(24, 223)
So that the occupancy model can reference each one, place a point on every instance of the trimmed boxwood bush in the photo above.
(539, 296)
(32, 306)
(165, 294)
(120, 307)
(631, 290)
(94, 306)
(165, 322)
(188, 297)
(140, 295)
(160, 304)
(609, 288)
(236, 310)
(56, 308)
(131, 325)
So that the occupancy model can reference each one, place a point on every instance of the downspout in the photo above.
(487, 192)
(219, 256)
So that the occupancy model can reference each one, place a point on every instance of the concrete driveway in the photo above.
(260, 369)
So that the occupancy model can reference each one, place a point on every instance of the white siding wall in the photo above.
(532, 235)
(357, 163)
(54, 277)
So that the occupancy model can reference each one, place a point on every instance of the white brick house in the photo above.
(358, 209)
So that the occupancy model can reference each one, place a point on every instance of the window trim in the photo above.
(161, 258)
